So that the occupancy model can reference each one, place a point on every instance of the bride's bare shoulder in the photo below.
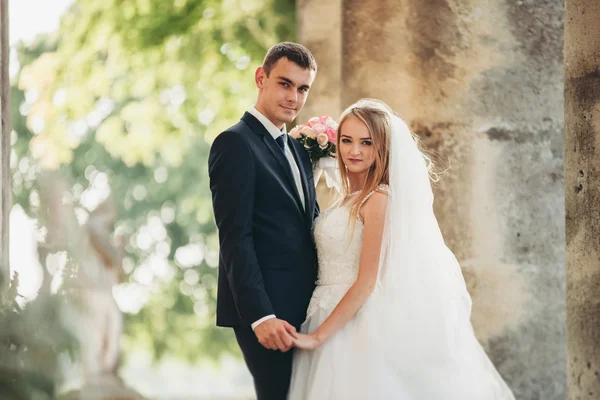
(375, 205)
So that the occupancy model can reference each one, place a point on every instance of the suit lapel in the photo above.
(275, 150)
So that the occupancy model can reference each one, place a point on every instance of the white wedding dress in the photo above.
(340, 368)
(413, 338)
(353, 364)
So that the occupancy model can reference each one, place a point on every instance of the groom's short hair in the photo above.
(294, 52)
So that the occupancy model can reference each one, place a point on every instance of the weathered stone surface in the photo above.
(582, 196)
(319, 29)
(481, 82)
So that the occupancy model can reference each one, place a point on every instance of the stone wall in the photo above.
(482, 83)
(582, 195)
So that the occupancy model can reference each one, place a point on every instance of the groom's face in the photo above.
(282, 94)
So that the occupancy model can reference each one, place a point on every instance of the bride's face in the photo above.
(356, 146)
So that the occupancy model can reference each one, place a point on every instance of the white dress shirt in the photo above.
(275, 132)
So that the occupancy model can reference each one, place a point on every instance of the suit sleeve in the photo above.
(232, 172)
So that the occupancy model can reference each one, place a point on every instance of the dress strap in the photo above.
(381, 188)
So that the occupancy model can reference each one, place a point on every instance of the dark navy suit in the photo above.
(267, 261)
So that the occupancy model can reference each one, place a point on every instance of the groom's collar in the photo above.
(266, 123)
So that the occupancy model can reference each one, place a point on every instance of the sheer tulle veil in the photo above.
(418, 317)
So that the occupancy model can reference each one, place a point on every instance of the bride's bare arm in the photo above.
(373, 215)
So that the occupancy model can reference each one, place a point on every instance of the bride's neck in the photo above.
(356, 181)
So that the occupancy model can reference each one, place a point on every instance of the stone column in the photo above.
(5, 193)
(582, 196)
(482, 83)
(319, 29)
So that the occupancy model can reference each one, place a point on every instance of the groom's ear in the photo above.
(259, 77)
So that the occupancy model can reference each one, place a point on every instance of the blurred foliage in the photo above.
(31, 339)
(125, 99)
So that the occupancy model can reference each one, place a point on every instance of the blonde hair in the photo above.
(376, 115)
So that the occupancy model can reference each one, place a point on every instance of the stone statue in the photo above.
(100, 270)
(92, 311)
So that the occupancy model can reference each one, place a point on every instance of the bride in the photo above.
(390, 316)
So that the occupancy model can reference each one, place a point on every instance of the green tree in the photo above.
(125, 99)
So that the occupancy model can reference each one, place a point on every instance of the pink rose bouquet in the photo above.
(318, 136)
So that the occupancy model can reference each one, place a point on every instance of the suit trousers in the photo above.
(271, 369)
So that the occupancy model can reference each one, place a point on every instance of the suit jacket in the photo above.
(267, 257)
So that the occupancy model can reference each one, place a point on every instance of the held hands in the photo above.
(306, 342)
(275, 334)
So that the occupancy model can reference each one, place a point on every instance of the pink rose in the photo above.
(319, 128)
(295, 133)
(330, 123)
(322, 140)
(313, 120)
(308, 132)
(331, 135)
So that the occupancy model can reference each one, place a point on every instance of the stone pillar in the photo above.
(482, 83)
(582, 196)
(319, 29)
(5, 193)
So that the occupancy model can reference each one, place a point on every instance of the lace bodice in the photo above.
(338, 249)
(339, 255)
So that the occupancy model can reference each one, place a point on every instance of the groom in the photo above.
(264, 202)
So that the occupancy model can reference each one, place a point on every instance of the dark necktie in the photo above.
(280, 142)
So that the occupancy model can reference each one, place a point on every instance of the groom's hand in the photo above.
(275, 334)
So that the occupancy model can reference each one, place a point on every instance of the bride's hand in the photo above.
(306, 342)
